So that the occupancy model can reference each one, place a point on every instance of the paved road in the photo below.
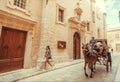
(75, 73)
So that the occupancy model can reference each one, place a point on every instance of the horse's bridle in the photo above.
(85, 50)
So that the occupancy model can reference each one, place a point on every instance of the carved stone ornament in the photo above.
(78, 10)
(73, 19)
(83, 23)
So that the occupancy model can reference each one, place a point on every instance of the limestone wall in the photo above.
(29, 20)
(113, 37)
(52, 31)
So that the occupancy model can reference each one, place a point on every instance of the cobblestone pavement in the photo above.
(66, 72)
(25, 73)
(75, 73)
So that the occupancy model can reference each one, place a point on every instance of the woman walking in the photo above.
(48, 56)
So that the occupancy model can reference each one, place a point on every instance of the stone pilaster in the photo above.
(0, 29)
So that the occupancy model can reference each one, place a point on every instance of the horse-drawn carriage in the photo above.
(97, 54)
(104, 58)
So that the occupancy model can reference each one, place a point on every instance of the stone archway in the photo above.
(76, 46)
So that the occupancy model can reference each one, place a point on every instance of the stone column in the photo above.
(28, 57)
(42, 35)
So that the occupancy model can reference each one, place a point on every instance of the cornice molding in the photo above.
(74, 20)
(79, 25)
(12, 16)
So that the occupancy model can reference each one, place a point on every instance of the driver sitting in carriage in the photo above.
(92, 42)
(97, 47)
(93, 45)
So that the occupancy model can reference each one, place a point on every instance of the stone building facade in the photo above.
(20, 22)
(70, 23)
(113, 37)
(28, 26)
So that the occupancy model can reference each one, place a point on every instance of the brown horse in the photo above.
(90, 58)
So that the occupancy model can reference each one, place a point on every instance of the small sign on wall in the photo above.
(61, 44)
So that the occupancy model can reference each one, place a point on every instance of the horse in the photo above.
(90, 58)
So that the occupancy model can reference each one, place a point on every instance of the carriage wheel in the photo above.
(110, 65)
(107, 66)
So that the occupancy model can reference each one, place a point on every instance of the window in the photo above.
(104, 21)
(98, 33)
(88, 27)
(61, 15)
(117, 36)
(93, 16)
(20, 3)
(78, 16)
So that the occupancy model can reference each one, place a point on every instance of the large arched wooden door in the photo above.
(76, 46)
(12, 49)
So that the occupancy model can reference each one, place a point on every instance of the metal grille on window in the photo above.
(20, 3)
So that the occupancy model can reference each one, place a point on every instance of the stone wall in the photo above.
(113, 38)
(53, 31)
(28, 20)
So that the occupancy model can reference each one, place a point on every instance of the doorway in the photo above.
(12, 49)
(76, 46)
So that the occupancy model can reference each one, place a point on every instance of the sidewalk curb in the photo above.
(41, 72)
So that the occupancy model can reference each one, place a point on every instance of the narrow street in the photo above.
(75, 73)
(33, 32)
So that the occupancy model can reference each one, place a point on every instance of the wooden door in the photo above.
(76, 46)
(12, 48)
